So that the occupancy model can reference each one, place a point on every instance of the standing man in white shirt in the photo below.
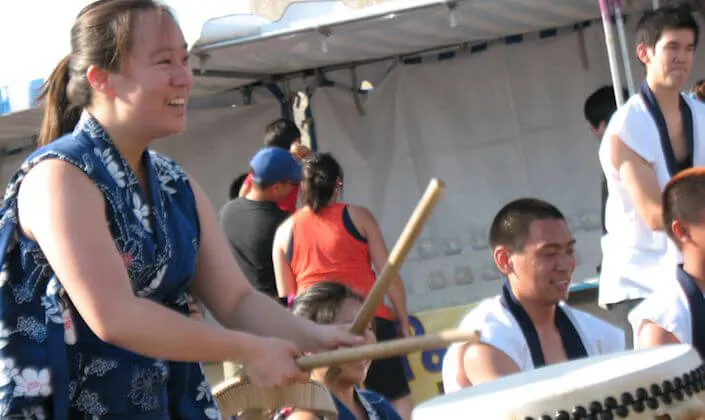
(654, 135)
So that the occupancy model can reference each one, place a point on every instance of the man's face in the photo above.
(542, 271)
(283, 189)
(670, 61)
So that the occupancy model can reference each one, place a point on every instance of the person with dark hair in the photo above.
(236, 186)
(334, 303)
(674, 314)
(698, 90)
(598, 109)
(250, 222)
(284, 134)
(528, 325)
(658, 132)
(331, 239)
(102, 240)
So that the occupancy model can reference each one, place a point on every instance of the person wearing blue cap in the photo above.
(250, 222)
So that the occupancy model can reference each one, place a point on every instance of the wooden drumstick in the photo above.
(386, 349)
(237, 395)
(396, 258)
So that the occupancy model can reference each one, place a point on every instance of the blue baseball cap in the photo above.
(274, 164)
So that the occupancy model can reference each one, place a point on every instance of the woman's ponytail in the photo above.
(60, 116)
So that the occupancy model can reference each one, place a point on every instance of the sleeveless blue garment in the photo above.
(52, 366)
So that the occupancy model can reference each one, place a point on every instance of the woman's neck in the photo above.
(130, 144)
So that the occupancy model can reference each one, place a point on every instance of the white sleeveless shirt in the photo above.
(668, 308)
(635, 259)
(499, 329)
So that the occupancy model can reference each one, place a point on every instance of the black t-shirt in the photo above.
(250, 227)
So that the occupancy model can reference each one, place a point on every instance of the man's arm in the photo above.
(484, 363)
(639, 179)
(652, 335)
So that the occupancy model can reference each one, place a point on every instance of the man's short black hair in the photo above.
(653, 23)
(600, 105)
(281, 133)
(510, 227)
(237, 185)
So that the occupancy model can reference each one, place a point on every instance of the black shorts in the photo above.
(387, 376)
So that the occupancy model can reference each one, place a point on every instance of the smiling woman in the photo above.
(102, 242)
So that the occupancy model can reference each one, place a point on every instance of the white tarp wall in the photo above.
(497, 125)
(218, 144)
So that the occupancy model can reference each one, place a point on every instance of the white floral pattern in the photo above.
(144, 388)
(141, 211)
(4, 335)
(112, 166)
(32, 383)
(34, 413)
(7, 371)
(155, 283)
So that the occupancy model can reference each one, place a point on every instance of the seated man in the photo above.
(528, 325)
(676, 314)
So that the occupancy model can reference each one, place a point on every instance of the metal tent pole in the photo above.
(611, 51)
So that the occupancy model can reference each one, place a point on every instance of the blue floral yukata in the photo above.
(52, 366)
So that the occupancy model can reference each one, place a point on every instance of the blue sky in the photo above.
(34, 34)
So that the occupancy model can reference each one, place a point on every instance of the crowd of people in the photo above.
(109, 249)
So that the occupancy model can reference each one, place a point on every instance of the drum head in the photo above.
(608, 383)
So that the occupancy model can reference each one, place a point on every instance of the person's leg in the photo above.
(620, 312)
(387, 376)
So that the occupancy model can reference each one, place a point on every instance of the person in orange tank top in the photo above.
(328, 239)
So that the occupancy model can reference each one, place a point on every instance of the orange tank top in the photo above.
(322, 248)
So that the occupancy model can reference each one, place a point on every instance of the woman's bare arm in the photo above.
(284, 276)
(366, 222)
(65, 213)
(225, 291)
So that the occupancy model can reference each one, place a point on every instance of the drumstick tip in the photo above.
(438, 182)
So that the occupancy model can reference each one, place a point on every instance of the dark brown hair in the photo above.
(102, 36)
(281, 133)
(322, 175)
(683, 199)
(321, 302)
(698, 89)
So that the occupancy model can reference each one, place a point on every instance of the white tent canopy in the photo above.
(233, 47)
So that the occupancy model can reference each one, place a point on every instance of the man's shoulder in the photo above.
(630, 112)
(489, 314)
